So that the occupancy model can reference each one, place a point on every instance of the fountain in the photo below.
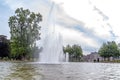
(52, 47)
(67, 57)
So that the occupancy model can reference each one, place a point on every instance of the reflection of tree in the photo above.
(24, 72)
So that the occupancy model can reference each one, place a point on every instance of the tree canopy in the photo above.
(75, 51)
(109, 49)
(4, 46)
(25, 31)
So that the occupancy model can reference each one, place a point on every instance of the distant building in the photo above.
(93, 57)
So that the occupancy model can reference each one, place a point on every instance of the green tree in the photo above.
(4, 47)
(75, 52)
(68, 49)
(109, 49)
(25, 31)
(102, 51)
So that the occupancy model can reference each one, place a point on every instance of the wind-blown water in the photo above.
(65, 71)
(52, 48)
(52, 52)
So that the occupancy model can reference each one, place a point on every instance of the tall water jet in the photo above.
(52, 48)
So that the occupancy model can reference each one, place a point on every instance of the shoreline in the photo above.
(116, 61)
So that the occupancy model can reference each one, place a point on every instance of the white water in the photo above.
(52, 47)
(52, 51)
(67, 57)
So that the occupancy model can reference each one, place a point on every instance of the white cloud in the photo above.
(88, 15)
(13, 4)
(102, 16)
(111, 9)
(71, 36)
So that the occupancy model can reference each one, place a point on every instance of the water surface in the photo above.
(64, 71)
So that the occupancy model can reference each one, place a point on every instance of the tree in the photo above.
(4, 47)
(68, 49)
(75, 52)
(25, 31)
(109, 49)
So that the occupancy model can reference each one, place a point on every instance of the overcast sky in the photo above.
(88, 23)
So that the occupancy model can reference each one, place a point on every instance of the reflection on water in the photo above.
(66, 71)
(23, 71)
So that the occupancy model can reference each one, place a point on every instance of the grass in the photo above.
(113, 61)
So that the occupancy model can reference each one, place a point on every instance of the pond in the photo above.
(63, 71)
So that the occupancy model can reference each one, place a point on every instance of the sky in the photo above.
(87, 23)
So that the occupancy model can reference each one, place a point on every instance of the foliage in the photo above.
(4, 49)
(24, 30)
(109, 49)
(68, 49)
(75, 51)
